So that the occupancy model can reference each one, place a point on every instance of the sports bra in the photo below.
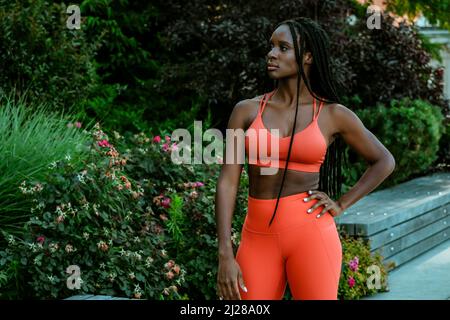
(308, 148)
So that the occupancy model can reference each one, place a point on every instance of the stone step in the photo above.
(394, 247)
(417, 249)
(400, 230)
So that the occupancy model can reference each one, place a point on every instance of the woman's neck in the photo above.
(287, 92)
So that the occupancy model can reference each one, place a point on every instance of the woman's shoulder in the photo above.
(247, 110)
(337, 110)
(342, 117)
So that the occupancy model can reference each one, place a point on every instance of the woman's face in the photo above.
(281, 58)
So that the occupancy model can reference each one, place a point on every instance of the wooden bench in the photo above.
(404, 221)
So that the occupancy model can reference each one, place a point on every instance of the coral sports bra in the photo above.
(308, 148)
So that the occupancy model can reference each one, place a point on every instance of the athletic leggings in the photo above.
(297, 248)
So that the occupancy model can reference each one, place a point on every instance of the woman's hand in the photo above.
(324, 200)
(228, 276)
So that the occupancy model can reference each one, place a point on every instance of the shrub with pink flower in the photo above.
(109, 234)
(353, 264)
(40, 239)
(162, 201)
(165, 147)
(177, 269)
(165, 202)
(196, 184)
(357, 257)
(104, 143)
(169, 264)
(351, 282)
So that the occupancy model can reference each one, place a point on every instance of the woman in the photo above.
(289, 235)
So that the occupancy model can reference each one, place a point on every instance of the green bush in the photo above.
(32, 139)
(444, 145)
(94, 218)
(410, 129)
(131, 60)
(190, 219)
(42, 57)
(360, 268)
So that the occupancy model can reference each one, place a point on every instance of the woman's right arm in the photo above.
(226, 190)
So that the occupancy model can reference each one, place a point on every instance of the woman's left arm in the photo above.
(380, 161)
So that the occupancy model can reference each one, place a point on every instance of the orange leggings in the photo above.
(297, 248)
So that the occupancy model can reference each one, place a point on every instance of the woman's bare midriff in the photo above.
(268, 186)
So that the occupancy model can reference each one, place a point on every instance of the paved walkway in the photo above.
(426, 277)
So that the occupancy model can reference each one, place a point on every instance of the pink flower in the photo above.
(199, 184)
(165, 202)
(157, 139)
(104, 143)
(176, 268)
(353, 264)
(170, 275)
(167, 139)
(169, 264)
(174, 146)
(78, 124)
(439, 72)
(351, 282)
(40, 239)
(165, 147)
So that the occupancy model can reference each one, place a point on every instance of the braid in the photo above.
(314, 39)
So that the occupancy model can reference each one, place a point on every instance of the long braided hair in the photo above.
(322, 86)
